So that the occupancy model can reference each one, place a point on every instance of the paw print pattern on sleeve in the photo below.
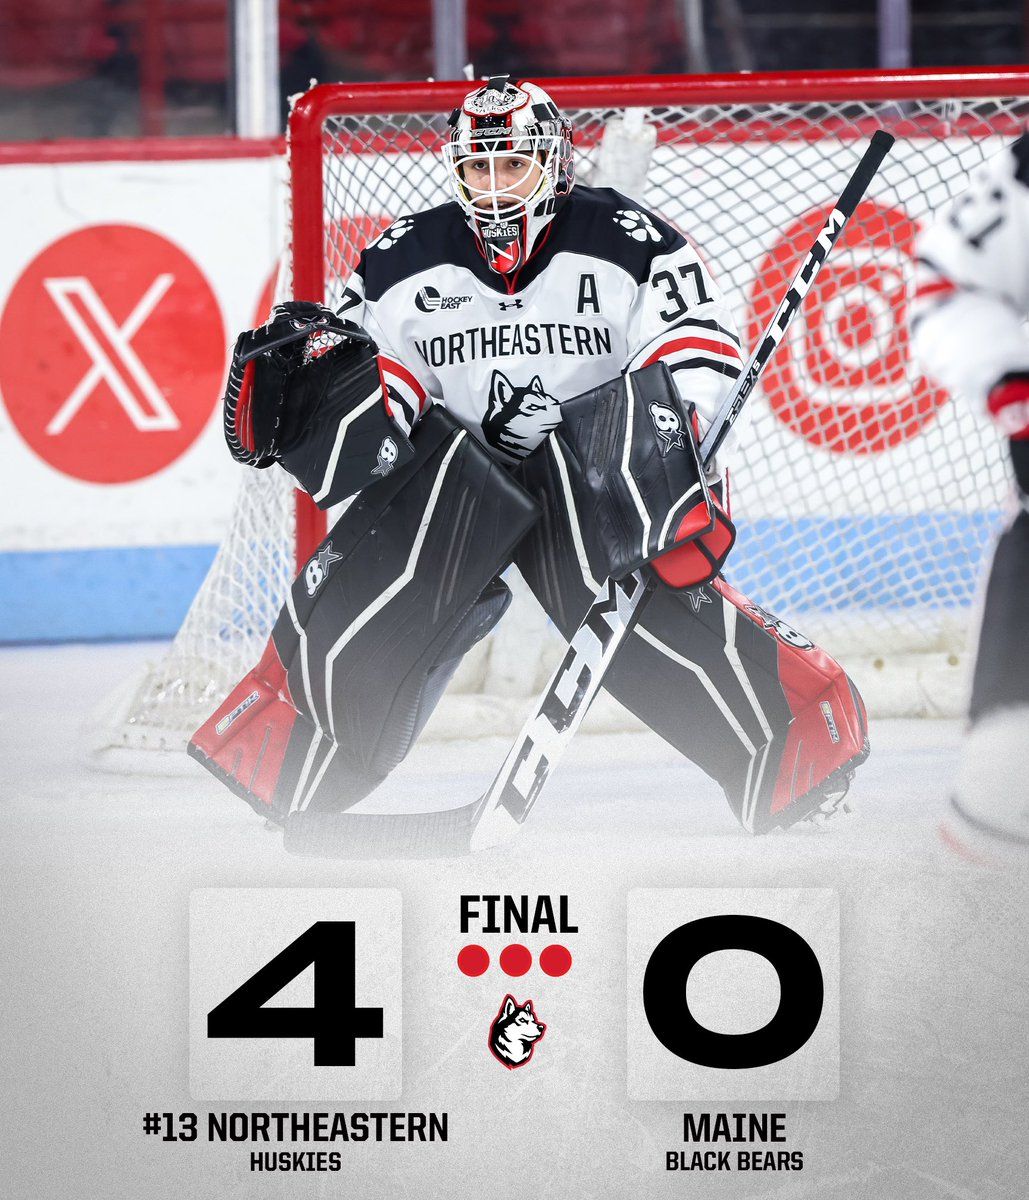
(637, 225)
(394, 233)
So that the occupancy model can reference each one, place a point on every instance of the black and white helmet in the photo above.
(520, 123)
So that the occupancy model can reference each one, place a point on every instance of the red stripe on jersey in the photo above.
(693, 343)
(390, 366)
(939, 287)
(385, 389)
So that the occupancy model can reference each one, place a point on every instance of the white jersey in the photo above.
(972, 281)
(610, 288)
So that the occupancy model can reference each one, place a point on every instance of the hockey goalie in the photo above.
(519, 376)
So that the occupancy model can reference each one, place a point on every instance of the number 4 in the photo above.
(334, 1022)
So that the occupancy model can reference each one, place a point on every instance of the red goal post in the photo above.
(866, 497)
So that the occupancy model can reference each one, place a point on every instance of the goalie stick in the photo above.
(497, 815)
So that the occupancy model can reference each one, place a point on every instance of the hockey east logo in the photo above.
(429, 300)
(514, 1033)
(518, 418)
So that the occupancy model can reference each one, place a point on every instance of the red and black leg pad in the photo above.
(827, 734)
(752, 702)
(374, 628)
(244, 741)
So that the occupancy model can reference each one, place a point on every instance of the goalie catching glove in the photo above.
(305, 390)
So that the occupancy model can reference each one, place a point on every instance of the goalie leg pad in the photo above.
(372, 631)
(756, 705)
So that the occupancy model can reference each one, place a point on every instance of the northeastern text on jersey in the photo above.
(508, 341)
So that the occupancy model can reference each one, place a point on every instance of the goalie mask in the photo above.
(509, 163)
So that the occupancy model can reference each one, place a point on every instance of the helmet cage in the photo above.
(545, 149)
(504, 121)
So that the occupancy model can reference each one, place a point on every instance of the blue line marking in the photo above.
(139, 592)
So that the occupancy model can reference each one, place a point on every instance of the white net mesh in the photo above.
(865, 496)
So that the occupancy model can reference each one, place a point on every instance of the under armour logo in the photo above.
(318, 567)
(510, 304)
(698, 597)
(109, 347)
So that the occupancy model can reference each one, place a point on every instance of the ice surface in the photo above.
(97, 877)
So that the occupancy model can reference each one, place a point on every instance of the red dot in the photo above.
(555, 960)
(515, 960)
(473, 960)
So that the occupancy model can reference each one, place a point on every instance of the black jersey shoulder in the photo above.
(415, 243)
(602, 223)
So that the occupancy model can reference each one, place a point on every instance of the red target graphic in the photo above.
(345, 240)
(112, 353)
(843, 377)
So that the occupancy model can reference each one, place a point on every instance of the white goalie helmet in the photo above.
(509, 164)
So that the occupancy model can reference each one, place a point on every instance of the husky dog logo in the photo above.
(669, 428)
(518, 418)
(514, 1033)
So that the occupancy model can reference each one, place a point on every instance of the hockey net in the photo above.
(866, 498)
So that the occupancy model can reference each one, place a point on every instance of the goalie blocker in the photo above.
(406, 583)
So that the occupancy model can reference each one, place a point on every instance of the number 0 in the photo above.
(676, 1028)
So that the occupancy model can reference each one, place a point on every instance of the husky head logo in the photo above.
(514, 1033)
(518, 418)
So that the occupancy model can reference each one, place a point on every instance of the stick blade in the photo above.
(496, 827)
(350, 835)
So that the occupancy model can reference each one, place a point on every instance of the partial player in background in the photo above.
(969, 322)
(521, 375)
